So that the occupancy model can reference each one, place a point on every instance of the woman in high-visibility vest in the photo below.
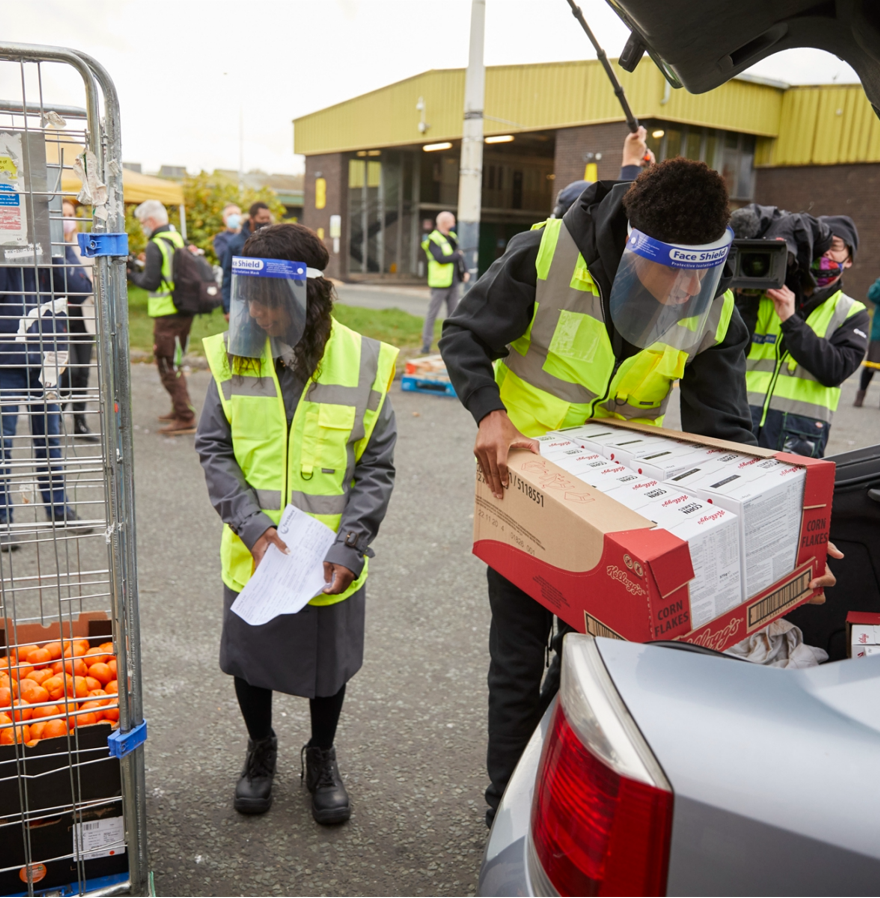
(297, 414)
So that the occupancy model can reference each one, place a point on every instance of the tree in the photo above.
(205, 195)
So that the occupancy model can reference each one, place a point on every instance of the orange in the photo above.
(45, 711)
(5, 720)
(24, 684)
(24, 651)
(80, 647)
(107, 647)
(112, 665)
(55, 687)
(11, 735)
(54, 650)
(112, 686)
(39, 657)
(92, 683)
(21, 711)
(94, 655)
(5, 697)
(86, 715)
(75, 666)
(37, 729)
(102, 673)
(23, 672)
(41, 675)
(111, 714)
(98, 693)
(54, 728)
(76, 687)
(35, 694)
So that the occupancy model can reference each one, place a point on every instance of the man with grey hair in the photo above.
(170, 327)
(445, 272)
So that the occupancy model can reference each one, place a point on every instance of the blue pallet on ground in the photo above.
(412, 383)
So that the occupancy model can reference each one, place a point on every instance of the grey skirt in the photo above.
(311, 653)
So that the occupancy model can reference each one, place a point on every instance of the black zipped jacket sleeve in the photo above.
(151, 277)
(830, 360)
(714, 401)
(496, 311)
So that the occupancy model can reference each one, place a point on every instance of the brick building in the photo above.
(379, 167)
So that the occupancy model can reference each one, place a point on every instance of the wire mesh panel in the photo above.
(71, 769)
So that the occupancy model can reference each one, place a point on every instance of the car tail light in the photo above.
(602, 811)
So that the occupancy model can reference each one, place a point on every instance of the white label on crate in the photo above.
(98, 838)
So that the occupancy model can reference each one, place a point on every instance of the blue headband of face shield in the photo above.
(268, 301)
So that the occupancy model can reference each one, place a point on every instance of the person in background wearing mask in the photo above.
(80, 323)
(232, 221)
(445, 272)
(170, 327)
(259, 215)
(872, 360)
(804, 347)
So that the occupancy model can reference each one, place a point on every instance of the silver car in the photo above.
(671, 769)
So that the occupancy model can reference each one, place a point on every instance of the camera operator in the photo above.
(808, 336)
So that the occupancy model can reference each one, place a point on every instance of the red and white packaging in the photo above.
(553, 446)
(863, 633)
(606, 569)
(768, 505)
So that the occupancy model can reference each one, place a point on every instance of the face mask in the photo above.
(260, 224)
(826, 271)
(69, 226)
(233, 222)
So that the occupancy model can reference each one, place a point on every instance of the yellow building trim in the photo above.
(527, 98)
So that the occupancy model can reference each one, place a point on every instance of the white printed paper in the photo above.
(99, 838)
(284, 584)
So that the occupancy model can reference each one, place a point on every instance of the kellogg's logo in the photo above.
(711, 517)
(720, 638)
(615, 573)
(676, 500)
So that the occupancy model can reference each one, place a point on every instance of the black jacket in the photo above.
(499, 307)
(233, 248)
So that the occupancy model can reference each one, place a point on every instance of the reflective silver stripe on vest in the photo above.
(795, 407)
(369, 368)
(710, 335)
(318, 504)
(841, 313)
(245, 385)
(767, 365)
(554, 295)
(651, 413)
(270, 500)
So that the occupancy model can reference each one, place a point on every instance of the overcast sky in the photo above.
(183, 68)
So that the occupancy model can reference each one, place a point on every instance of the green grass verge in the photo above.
(389, 325)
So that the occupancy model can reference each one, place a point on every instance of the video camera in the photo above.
(758, 264)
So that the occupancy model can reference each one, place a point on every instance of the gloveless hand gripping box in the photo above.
(605, 568)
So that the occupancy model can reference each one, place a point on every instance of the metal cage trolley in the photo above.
(72, 804)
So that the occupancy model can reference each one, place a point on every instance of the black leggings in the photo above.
(867, 374)
(256, 708)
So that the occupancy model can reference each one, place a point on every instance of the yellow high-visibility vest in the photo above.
(563, 370)
(160, 302)
(440, 274)
(776, 381)
(311, 464)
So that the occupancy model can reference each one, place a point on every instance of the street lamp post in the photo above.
(470, 181)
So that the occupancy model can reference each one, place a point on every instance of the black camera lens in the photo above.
(756, 265)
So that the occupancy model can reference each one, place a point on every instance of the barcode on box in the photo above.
(785, 597)
(597, 628)
(87, 826)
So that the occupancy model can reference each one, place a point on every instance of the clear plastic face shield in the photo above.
(268, 300)
(663, 292)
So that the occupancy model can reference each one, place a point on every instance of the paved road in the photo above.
(412, 736)
(411, 740)
(409, 299)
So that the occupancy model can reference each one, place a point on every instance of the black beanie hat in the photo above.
(844, 227)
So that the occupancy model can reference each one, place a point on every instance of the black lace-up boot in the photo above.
(330, 802)
(253, 794)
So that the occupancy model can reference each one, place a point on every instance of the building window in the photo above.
(730, 153)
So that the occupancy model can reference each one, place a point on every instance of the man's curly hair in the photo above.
(679, 201)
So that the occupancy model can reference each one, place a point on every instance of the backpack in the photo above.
(195, 287)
